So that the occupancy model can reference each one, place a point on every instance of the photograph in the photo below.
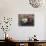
(26, 19)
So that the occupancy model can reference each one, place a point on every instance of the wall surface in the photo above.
(11, 8)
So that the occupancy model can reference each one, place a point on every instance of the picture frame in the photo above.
(26, 19)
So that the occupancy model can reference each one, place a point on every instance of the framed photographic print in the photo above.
(26, 19)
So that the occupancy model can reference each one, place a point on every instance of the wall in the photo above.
(11, 8)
